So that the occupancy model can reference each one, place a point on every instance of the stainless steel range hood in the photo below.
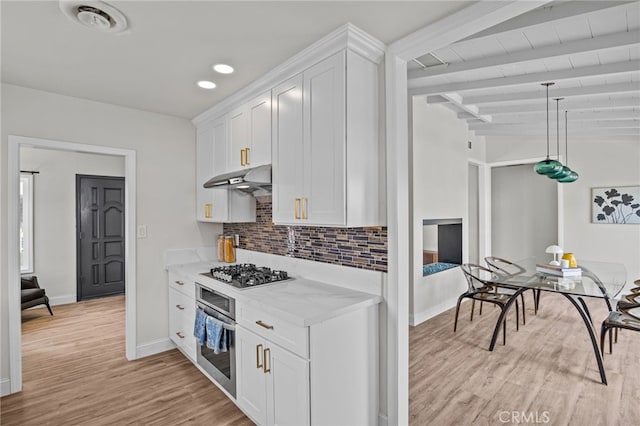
(255, 181)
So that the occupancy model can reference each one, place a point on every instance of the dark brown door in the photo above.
(100, 236)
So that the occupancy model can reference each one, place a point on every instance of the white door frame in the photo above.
(466, 22)
(13, 244)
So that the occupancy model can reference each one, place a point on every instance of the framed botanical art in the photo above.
(618, 204)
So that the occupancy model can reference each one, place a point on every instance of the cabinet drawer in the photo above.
(182, 284)
(181, 319)
(291, 337)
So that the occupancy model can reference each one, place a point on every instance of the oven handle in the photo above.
(227, 323)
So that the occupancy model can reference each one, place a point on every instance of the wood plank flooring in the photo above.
(75, 373)
(547, 370)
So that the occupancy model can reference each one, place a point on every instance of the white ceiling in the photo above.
(590, 49)
(172, 44)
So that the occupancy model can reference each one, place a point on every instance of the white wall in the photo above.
(165, 147)
(54, 214)
(599, 163)
(440, 179)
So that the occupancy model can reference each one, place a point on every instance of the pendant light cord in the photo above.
(558, 126)
(547, 121)
(566, 140)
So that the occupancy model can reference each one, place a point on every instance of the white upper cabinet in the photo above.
(326, 146)
(287, 160)
(318, 129)
(250, 134)
(217, 205)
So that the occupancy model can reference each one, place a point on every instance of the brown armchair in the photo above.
(31, 293)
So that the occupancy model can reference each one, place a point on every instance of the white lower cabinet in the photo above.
(273, 383)
(323, 374)
(182, 311)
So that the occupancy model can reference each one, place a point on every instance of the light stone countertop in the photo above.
(300, 301)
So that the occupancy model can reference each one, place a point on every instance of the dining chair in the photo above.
(482, 289)
(505, 266)
(625, 318)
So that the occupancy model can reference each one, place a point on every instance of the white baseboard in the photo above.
(5, 387)
(420, 317)
(62, 300)
(154, 347)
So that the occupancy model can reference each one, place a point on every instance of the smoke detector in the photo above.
(95, 14)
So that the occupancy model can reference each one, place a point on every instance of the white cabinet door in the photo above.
(238, 138)
(287, 154)
(250, 376)
(204, 171)
(259, 131)
(324, 142)
(287, 387)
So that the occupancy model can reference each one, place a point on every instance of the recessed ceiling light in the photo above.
(206, 84)
(223, 68)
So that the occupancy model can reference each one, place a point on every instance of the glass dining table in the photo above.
(600, 280)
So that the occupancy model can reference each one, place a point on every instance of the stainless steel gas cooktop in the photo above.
(244, 275)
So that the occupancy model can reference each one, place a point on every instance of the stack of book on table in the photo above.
(558, 271)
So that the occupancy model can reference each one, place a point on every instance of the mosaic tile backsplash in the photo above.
(364, 248)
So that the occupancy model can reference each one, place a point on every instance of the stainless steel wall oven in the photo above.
(222, 366)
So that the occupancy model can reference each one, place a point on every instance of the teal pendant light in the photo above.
(547, 166)
(564, 171)
(572, 176)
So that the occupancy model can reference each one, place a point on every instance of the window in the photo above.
(26, 223)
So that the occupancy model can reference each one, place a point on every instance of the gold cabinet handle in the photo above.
(179, 283)
(258, 351)
(180, 335)
(208, 208)
(304, 208)
(180, 307)
(267, 326)
(242, 157)
(265, 356)
(246, 157)
(296, 208)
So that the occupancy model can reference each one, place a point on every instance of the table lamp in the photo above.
(556, 251)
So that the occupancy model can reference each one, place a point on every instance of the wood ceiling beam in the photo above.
(456, 100)
(555, 12)
(598, 89)
(570, 105)
(539, 116)
(592, 124)
(611, 41)
(542, 132)
(624, 67)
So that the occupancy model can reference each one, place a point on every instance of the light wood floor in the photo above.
(547, 366)
(75, 373)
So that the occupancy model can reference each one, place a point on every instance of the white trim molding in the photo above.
(63, 300)
(13, 261)
(348, 36)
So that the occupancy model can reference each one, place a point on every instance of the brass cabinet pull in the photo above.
(265, 356)
(304, 208)
(208, 208)
(179, 283)
(242, 157)
(180, 335)
(267, 326)
(296, 208)
(258, 350)
(180, 307)
(246, 157)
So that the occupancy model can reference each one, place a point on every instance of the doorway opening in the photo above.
(15, 143)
